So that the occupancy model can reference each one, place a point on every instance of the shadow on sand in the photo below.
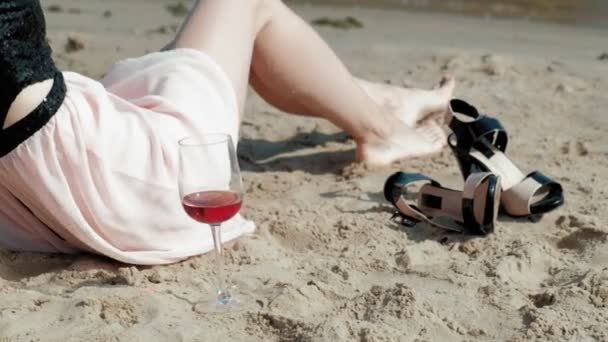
(257, 155)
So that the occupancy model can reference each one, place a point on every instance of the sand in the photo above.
(345, 271)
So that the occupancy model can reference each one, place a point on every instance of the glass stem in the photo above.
(224, 296)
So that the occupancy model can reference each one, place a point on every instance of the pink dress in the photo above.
(101, 175)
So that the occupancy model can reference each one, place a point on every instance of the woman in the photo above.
(92, 166)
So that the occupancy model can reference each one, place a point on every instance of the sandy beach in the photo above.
(339, 268)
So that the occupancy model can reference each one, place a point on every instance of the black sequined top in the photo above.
(25, 59)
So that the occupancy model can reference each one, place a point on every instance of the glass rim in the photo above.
(197, 141)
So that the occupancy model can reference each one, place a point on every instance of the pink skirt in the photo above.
(101, 176)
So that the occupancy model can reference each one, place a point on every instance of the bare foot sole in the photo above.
(405, 142)
(411, 105)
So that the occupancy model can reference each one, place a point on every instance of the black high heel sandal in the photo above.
(479, 143)
(471, 211)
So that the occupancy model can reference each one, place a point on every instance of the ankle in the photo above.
(376, 131)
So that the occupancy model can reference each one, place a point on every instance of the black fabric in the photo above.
(14, 135)
(25, 59)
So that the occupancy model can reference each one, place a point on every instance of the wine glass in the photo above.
(211, 192)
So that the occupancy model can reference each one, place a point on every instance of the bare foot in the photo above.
(411, 104)
(403, 142)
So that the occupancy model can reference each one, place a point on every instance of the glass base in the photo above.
(237, 299)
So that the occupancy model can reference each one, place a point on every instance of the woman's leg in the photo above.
(225, 30)
(293, 61)
(287, 62)
(407, 103)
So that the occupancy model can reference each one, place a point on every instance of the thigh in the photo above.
(225, 30)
